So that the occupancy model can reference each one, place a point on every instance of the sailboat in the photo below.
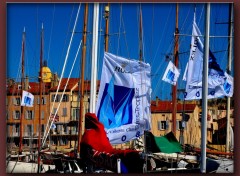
(205, 83)
(24, 161)
(96, 126)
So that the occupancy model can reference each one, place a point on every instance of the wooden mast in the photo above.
(174, 93)
(40, 102)
(80, 122)
(106, 26)
(22, 84)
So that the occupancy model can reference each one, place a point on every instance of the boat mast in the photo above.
(106, 26)
(205, 91)
(80, 122)
(174, 87)
(229, 72)
(94, 59)
(22, 84)
(40, 102)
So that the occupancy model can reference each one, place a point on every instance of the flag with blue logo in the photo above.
(123, 104)
(27, 99)
(171, 74)
(219, 84)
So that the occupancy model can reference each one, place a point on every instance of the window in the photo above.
(29, 115)
(16, 115)
(29, 130)
(75, 113)
(54, 110)
(63, 141)
(65, 98)
(43, 129)
(16, 129)
(181, 125)
(162, 125)
(17, 101)
(64, 112)
(43, 100)
(74, 130)
(65, 129)
(57, 98)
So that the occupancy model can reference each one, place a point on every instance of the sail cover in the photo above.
(123, 104)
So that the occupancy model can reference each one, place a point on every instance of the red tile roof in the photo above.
(87, 86)
(33, 88)
(71, 83)
(166, 106)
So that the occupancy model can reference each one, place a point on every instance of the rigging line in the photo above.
(66, 59)
(151, 49)
(51, 31)
(162, 35)
(63, 91)
(201, 15)
(125, 37)
(119, 28)
(65, 42)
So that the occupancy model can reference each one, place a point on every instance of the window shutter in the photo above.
(178, 126)
(14, 100)
(42, 114)
(26, 114)
(73, 113)
(159, 125)
(53, 97)
(14, 115)
(167, 125)
(64, 111)
(32, 127)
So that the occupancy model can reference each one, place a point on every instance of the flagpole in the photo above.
(205, 91)
(94, 59)
(229, 72)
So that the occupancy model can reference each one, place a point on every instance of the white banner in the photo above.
(27, 99)
(124, 97)
(216, 77)
(171, 74)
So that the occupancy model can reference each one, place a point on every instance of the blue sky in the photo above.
(158, 36)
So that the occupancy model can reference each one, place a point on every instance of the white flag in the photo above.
(171, 74)
(185, 73)
(27, 99)
(123, 105)
(216, 77)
